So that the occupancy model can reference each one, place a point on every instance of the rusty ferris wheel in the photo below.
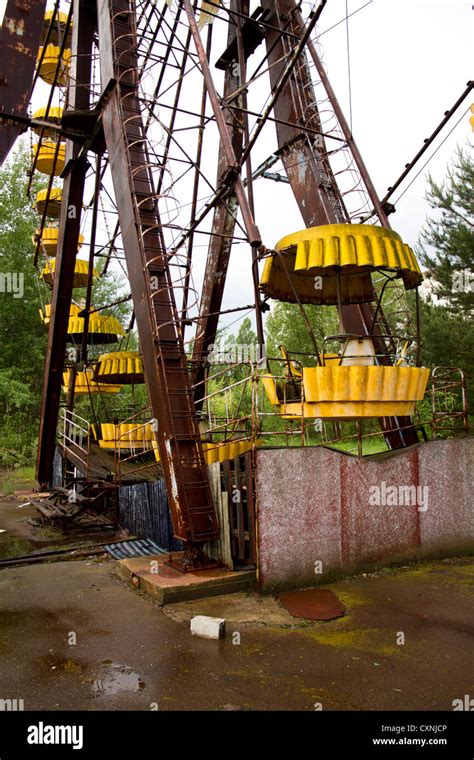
(164, 128)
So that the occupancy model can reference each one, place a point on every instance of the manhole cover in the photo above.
(313, 604)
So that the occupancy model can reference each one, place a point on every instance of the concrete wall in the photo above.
(314, 505)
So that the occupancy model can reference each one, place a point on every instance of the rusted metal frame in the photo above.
(301, 127)
(163, 71)
(156, 30)
(222, 236)
(251, 517)
(170, 128)
(282, 32)
(249, 183)
(193, 226)
(318, 208)
(289, 69)
(164, 359)
(174, 36)
(244, 17)
(45, 212)
(306, 165)
(90, 273)
(239, 508)
(221, 192)
(151, 111)
(119, 301)
(51, 94)
(346, 130)
(427, 143)
(151, 107)
(379, 301)
(68, 238)
(398, 431)
(234, 167)
(226, 485)
(19, 41)
(219, 196)
(189, 259)
(45, 44)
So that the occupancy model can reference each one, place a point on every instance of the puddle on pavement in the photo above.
(115, 679)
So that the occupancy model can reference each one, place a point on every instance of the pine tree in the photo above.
(447, 240)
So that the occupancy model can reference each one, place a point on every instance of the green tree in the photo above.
(446, 248)
(286, 326)
(22, 335)
(446, 245)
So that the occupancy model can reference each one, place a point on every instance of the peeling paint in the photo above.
(14, 26)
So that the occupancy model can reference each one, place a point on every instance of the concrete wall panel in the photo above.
(314, 504)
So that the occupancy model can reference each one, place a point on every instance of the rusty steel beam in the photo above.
(68, 237)
(223, 228)
(20, 34)
(309, 171)
(346, 130)
(148, 264)
(251, 228)
(303, 156)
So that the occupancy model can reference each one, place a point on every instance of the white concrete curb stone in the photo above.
(207, 627)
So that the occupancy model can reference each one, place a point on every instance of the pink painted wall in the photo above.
(313, 505)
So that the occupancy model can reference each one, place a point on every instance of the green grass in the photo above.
(16, 479)
(372, 445)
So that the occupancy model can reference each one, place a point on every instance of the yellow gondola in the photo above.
(47, 160)
(85, 384)
(58, 28)
(222, 451)
(125, 367)
(127, 436)
(332, 263)
(103, 328)
(54, 116)
(348, 392)
(49, 240)
(81, 273)
(48, 65)
(51, 202)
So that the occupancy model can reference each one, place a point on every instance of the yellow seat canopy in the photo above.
(54, 116)
(85, 384)
(124, 367)
(58, 28)
(81, 272)
(47, 160)
(127, 436)
(49, 240)
(51, 202)
(48, 68)
(315, 257)
(103, 328)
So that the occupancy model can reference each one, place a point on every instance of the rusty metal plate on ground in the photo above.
(313, 604)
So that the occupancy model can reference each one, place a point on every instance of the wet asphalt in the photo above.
(73, 636)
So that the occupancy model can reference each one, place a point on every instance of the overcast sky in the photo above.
(410, 61)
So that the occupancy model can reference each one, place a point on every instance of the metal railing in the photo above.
(75, 433)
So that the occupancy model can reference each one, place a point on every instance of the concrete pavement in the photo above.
(130, 654)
